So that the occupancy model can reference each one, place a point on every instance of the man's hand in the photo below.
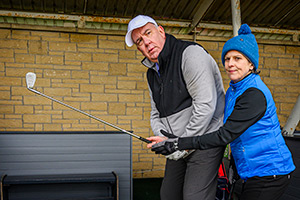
(165, 147)
(157, 139)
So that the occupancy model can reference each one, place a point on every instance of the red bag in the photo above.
(223, 184)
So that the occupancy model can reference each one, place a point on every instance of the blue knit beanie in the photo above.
(245, 43)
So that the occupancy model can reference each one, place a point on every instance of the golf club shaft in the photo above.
(87, 114)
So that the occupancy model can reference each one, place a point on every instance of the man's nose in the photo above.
(147, 40)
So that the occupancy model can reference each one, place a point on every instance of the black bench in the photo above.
(60, 186)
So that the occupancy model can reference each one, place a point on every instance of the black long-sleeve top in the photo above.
(249, 108)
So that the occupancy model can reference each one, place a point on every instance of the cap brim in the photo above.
(128, 39)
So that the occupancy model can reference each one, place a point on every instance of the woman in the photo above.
(251, 125)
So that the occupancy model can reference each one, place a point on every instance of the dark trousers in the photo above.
(192, 178)
(265, 188)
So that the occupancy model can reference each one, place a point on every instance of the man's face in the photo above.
(149, 40)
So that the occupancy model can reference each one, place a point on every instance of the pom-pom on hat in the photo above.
(137, 22)
(245, 43)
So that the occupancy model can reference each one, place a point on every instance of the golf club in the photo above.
(30, 80)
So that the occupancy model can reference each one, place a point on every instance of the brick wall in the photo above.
(100, 75)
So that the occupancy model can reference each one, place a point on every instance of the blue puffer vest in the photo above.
(261, 149)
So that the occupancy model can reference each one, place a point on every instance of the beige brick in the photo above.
(130, 61)
(77, 81)
(274, 49)
(93, 88)
(76, 99)
(116, 108)
(4, 33)
(42, 82)
(6, 109)
(46, 34)
(281, 81)
(140, 123)
(114, 37)
(103, 80)
(19, 72)
(271, 63)
(78, 56)
(103, 57)
(10, 81)
(105, 97)
(55, 39)
(117, 69)
(61, 74)
(57, 106)
(293, 50)
(6, 59)
(20, 32)
(62, 46)
(112, 51)
(94, 66)
(13, 44)
(38, 47)
(80, 74)
(289, 62)
(209, 45)
(136, 68)
(83, 38)
(25, 37)
(93, 106)
(4, 95)
(20, 91)
(295, 89)
(127, 54)
(108, 44)
(52, 127)
(37, 118)
(10, 123)
(20, 51)
(6, 53)
(283, 74)
(58, 60)
(134, 111)
(11, 102)
(73, 115)
(88, 46)
(36, 100)
(142, 165)
(24, 58)
(287, 106)
(2, 67)
(20, 109)
(130, 98)
(142, 85)
(126, 85)
(57, 91)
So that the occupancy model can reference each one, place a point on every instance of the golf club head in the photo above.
(30, 79)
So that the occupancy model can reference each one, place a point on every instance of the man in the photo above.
(187, 99)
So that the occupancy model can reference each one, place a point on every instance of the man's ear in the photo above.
(161, 30)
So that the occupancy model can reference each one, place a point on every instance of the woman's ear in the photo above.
(251, 67)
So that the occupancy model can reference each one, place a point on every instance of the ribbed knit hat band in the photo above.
(245, 43)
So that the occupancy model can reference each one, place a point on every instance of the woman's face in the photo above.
(237, 65)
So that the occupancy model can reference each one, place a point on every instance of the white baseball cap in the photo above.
(137, 22)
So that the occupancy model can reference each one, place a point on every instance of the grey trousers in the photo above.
(192, 178)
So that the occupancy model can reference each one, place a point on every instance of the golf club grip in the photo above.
(145, 140)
